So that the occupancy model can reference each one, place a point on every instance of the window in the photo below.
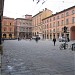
(50, 30)
(23, 23)
(67, 21)
(62, 22)
(53, 18)
(5, 22)
(62, 16)
(47, 25)
(5, 28)
(53, 30)
(21, 28)
(73, 11)
(10, 24)
(73, 19)
(57, 17)
(27, 23)
(47, 21)
(58, 23)
(50, 19)
(47, 31)
(54, 24)
(67, 13)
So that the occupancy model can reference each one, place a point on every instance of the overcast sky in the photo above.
(19, 8)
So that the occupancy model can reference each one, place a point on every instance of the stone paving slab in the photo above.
(37, 58)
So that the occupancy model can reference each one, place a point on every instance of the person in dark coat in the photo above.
(54, 40)
(68, 39)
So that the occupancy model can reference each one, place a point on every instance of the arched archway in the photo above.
(72, 35)
(4, 35)
(10, 35)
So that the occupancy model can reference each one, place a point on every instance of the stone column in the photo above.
(0, 30)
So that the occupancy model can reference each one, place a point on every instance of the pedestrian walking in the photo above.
(68, 39)
(54, 40)
(18, 38)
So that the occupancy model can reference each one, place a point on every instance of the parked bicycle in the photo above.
(63, 46)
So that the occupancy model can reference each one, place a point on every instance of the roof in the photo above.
(59, 12)
(37, 14)
(5, 17)
(22, 19)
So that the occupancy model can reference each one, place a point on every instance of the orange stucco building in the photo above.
(7, 28)
(53, 25)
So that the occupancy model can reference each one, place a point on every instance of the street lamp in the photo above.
(65, 30)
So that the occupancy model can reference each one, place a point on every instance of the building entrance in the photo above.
(72, 35)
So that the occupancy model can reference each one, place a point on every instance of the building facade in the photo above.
(53, 26)
(37, 21)
(7, 28)
(23, 27)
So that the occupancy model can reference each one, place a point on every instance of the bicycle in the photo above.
(63, 46)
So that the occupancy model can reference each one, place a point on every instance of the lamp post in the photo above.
(65, 31)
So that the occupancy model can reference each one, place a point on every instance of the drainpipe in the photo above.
(0, 30)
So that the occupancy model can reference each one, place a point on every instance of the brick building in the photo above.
(7, 28)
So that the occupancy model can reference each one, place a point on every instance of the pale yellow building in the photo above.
(37, 21)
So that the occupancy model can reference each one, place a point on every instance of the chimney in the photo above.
(45, 8)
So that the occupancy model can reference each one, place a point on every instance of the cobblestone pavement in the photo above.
(27, 57)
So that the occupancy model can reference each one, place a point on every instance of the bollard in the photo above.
(73, 46)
